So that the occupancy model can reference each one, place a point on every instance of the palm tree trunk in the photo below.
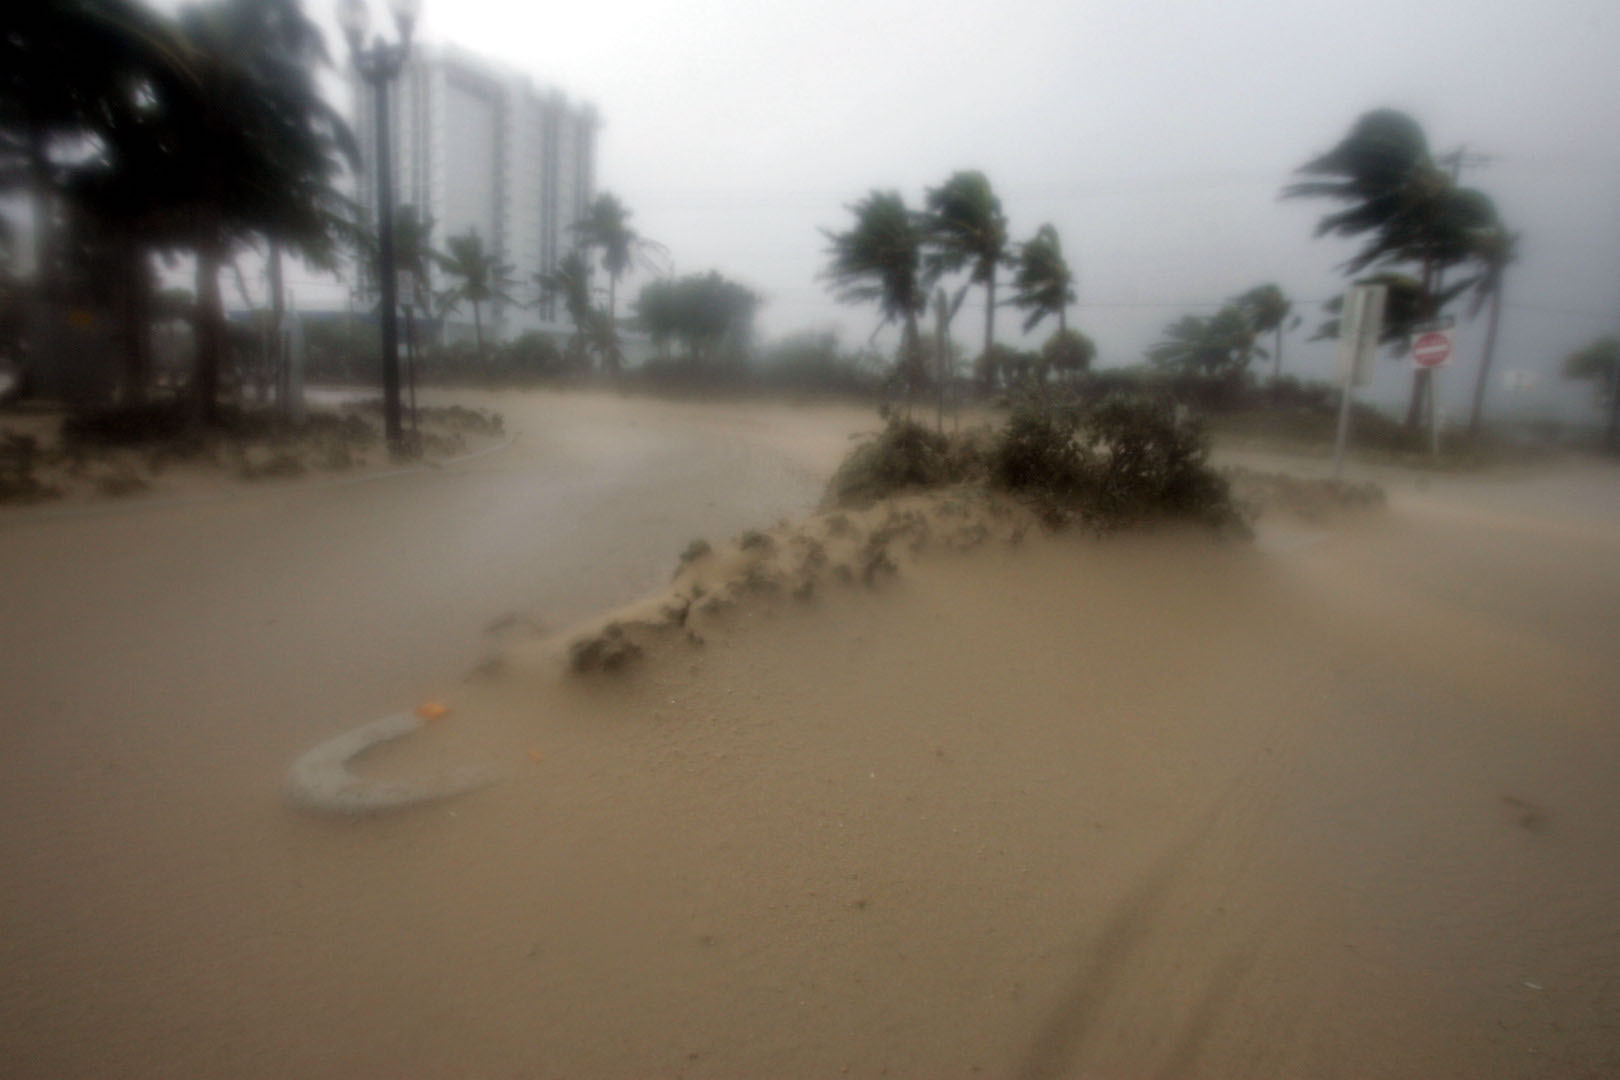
(942, 347)
(614, 357)
(911, 359)
(1276, 360)
(210, 334)
(1480, 380)
(410, 358)
(478, 333)
(278, 307)
(989, 313)
(1063, 320)
(134, 293)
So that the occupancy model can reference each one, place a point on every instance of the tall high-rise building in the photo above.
(477, 147)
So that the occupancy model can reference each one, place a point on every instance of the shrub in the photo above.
(1037, 452)
(1128, 458)
(1150, 458)
(905, 454)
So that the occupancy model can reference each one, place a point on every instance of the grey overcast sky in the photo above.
(1155, 134)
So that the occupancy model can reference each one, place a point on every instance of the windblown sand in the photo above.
(1344, 801)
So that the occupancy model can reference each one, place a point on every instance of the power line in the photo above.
(1548, 309)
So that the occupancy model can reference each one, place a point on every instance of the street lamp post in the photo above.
(379, 64)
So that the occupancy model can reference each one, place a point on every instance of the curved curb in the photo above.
(320, 780)
(31, 515)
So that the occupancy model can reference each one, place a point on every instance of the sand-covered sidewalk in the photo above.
(1341, 802)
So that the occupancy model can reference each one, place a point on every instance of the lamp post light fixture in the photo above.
(379, 64)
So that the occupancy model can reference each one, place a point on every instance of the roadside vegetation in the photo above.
(1121, 459)
(226, 94)
(122, 451)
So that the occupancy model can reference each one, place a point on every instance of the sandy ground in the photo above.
(1342, 802)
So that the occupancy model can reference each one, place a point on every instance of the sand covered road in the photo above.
(1152, 806)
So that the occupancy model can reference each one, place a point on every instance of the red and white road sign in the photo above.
(1432, 349)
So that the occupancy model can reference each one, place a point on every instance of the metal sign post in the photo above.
(1360, 324)
(1432, 349)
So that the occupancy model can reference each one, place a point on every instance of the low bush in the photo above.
(1037, 452)
(903, 456)
(1149, 458)
(1127, 458)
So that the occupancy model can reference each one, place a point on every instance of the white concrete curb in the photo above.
(320, 780)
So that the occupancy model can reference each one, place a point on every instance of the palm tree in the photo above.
(1403, 203)
(964, 228)
(1496, 253)
(256, 152)
(607, 227)
(1268, 309)
(414, 257)
(879, 260)
(571, 281)
(414, 253)
(1600, 362)
(1043, 284)
(78, 76)
(478, 277)
(1216, 346)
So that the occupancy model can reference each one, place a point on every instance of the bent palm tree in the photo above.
(1043, 285)
(1405, 205)
(256, 152)
(879, 260)
(80, 82)
(1268, 310)
(965, 229)
(1215, 346)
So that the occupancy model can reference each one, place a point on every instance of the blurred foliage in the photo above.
(1068, 353)
(706, 313)
(1043, 284)
(606, 228)
(477, 277)
(905, 455)
(879, 260)
(812, 361)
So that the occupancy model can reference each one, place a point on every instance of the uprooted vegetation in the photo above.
(1126, 459)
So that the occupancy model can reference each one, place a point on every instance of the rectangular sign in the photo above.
(1361, 321)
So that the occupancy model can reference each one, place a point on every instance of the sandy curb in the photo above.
(131, 506)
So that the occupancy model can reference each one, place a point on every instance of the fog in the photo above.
(1155, 137)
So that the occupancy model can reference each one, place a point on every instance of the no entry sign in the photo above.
(1432, 348)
